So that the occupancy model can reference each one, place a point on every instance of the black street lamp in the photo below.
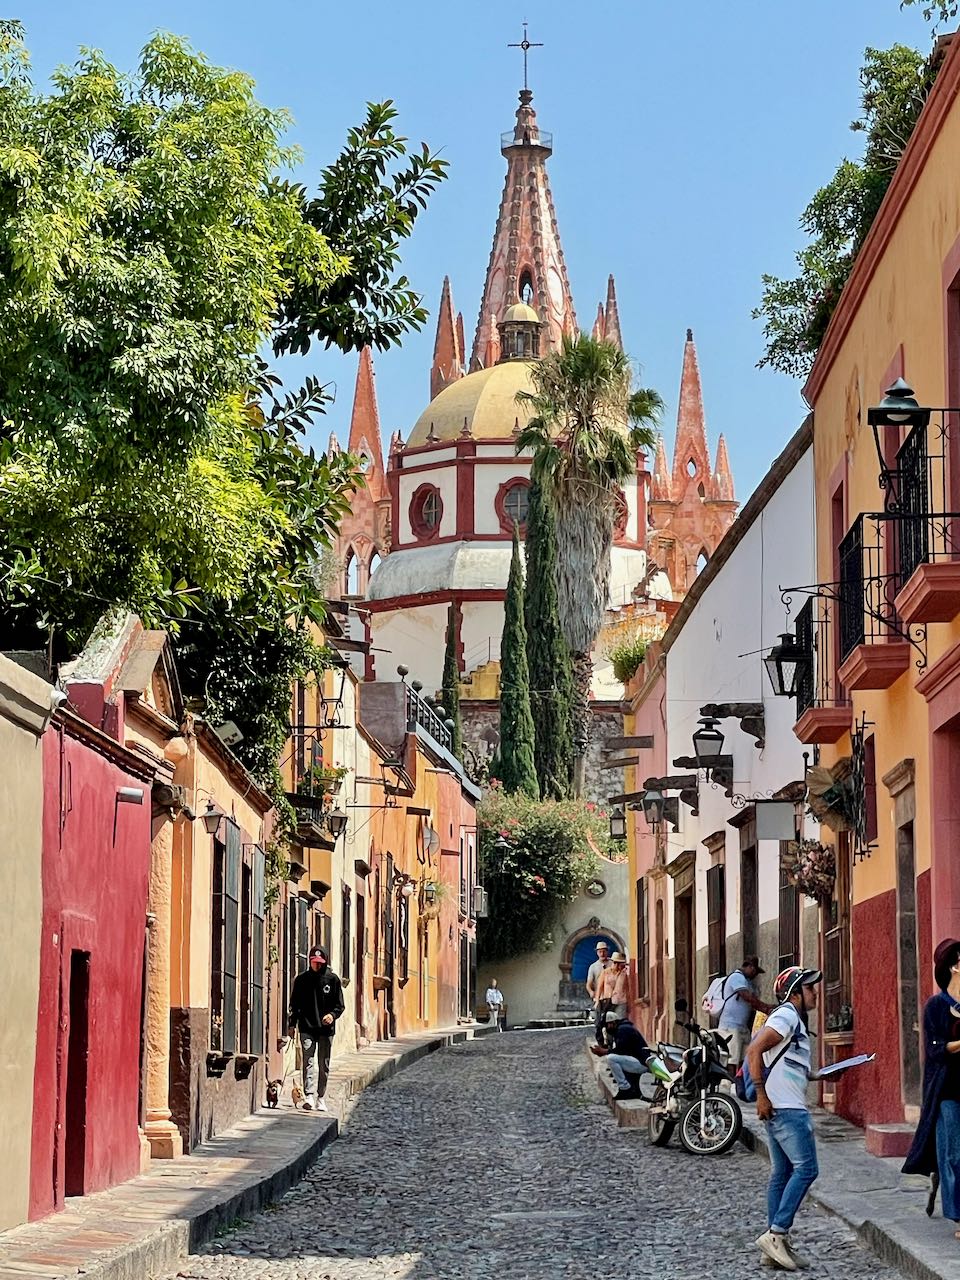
(211, 818)
(707, 742)
(898, 408)
(336, 823)
(652, 803)
(784, 664)
(618, 825)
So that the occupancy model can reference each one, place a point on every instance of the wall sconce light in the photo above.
(707, 742)
(618, 825)
(129, 795)
(784, 663)
(898, 408)
(336, 823)
(429, 893)
(652, 803)
(211, 818)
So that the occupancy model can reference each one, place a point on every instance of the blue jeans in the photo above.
(620, 1063)
(793, 1165)
(948, 1158)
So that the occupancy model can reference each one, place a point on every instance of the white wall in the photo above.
(717, 657)
(444, 477)
(487, 480)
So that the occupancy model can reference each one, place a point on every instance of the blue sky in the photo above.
(687, 140)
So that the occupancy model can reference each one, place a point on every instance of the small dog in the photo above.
(274, 1088)
(296, 1094)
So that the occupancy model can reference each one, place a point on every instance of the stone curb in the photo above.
(166, 1242)
(891, 1242)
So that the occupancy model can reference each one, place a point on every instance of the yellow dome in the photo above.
(486, 399)
(520, 311)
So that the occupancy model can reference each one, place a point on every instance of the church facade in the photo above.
(431, 533)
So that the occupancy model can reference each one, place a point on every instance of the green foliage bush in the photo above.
(626, 656)
(551, 852)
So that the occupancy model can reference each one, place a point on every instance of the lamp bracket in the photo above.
(685, 783)
(719, 773)
(750, 715)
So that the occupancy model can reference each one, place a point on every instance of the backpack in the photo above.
(714, 999)
(744, 1082)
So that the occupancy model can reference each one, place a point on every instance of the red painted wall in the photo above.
(96, 862)
(871, 1094)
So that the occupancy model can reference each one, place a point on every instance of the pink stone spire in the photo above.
(365, 426)
(597, 334)
(723, 476)
(448, 345)
(611, 317)
(660, 488)
(526, 254)
(691, 457)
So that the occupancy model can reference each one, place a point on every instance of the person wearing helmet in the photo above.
(779, 1061)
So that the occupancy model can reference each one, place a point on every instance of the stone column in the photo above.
(162, 1134)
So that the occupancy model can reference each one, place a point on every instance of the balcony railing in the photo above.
(919, 500)
(816, 683)
(420, 714)
(869, 582)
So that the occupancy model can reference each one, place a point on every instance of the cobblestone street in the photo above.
(550, 1187)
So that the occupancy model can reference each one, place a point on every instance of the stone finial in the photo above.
(448, 345)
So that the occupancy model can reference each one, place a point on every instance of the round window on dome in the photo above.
(513, 503)
(426, 511)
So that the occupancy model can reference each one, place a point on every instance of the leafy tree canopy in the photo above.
(941, 11)
(894, 86)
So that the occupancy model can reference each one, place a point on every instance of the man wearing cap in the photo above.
(740, 1003)
(594, 973)
(316, 1002)
(628, 1052)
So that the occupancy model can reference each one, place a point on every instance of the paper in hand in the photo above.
(834, 1067)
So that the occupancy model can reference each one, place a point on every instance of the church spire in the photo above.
(611, 316)
(365, 426)
(691, 457)
(448, 345)
(598, 324)
(526, 262)
(722, 475)
(660, 489)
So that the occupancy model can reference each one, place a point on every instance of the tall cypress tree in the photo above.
(451, 683)
(548, 658)
(517, 768)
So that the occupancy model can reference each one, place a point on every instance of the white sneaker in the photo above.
(322, 1104)
(775, 1248)
(307, 1105)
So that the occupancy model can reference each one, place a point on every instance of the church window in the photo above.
(691, 468)
(526, 287)
(701, 561)
(512, 504)
(374, 563)
(351, 574)
(426, 511)
(701, 490)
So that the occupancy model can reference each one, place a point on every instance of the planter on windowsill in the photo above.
(931, 594)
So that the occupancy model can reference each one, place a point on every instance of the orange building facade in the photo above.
(882, 708)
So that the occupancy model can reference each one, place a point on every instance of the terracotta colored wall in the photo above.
(21, 809)
(96, 863)
(925, 943)
(871, 1094)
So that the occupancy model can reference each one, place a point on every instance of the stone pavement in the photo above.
(144, 1226)
(495, 1158)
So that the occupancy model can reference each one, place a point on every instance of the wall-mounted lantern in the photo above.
(618, 824)
(784, 664)
(652, 803)
(211, 818)
(707, 742)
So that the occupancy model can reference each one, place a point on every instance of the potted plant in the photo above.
(322, 779)
(814, 869)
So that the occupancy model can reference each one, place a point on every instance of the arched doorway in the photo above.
(579, 953)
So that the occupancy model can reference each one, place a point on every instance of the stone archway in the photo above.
(573, 989)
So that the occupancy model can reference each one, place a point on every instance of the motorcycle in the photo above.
(683, 1088)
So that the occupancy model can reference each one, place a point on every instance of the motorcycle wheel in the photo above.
(659, 1127)
(724, 1121)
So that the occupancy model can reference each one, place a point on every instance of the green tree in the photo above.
(941, 11)
(894, 86)
(516, 767)
(588, 424)
(551, 678)
(451, 683)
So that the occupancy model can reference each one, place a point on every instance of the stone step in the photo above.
(888, 1139)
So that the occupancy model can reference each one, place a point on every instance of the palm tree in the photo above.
(588, 424)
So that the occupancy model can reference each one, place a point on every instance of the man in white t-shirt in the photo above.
(495, 1004)
(779, 1062)
(601, 963)
(740, 1004)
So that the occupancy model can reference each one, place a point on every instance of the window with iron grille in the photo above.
(643, 938)
(870, 790)
(789, 918)
(403, 938)
(852, 630)
(837, 982)
(716, 922)
(345, 908)
(225, 940)
(244, 987)
(806, 679)
(257, 957)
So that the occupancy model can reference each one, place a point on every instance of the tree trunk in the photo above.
(582, 679)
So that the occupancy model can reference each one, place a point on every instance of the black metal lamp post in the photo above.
(707, 742)
(898, 408)
(618, 825)
(784, 665)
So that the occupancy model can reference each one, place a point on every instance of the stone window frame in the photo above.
(500, 504)
(418, 523)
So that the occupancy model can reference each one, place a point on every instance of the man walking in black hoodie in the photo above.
(316, 1002)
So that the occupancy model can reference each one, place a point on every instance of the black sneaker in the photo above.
(626, 1095)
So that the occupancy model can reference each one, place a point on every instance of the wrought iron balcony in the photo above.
(824, 712)
(419, 713)
(920, 493)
